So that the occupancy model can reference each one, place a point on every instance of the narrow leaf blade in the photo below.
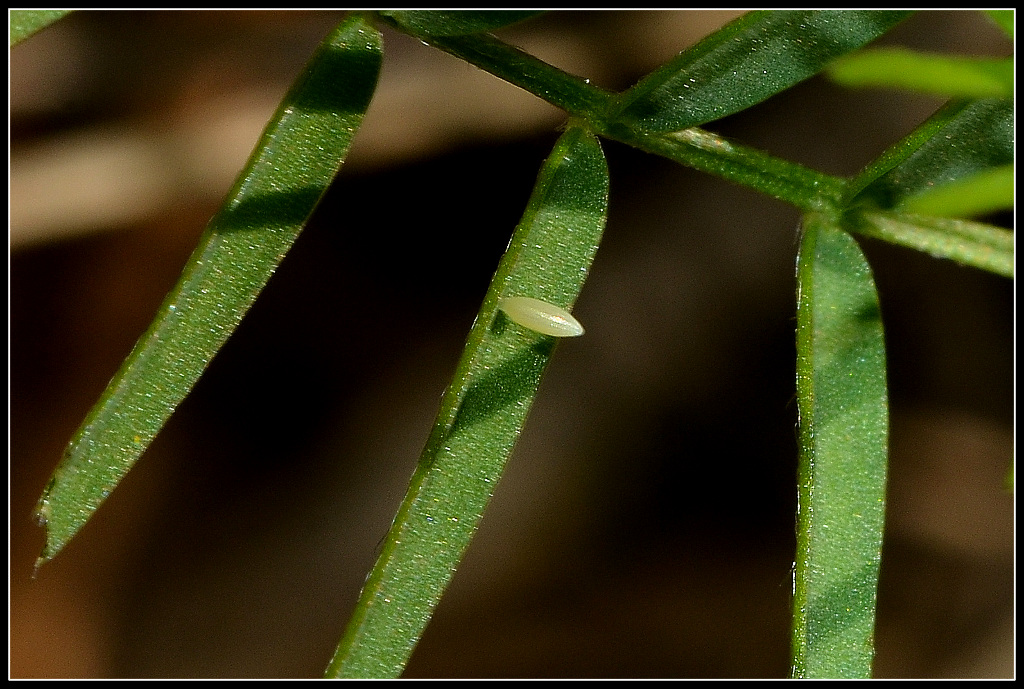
(842, 400)
(969, 243)
(746, 62)
(300, 152)
(953, 76)
(961, 140)
(981, 193)
(482, 413)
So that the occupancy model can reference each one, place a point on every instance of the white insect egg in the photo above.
(541, 316)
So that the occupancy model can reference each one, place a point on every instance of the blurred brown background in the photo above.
(645, 525)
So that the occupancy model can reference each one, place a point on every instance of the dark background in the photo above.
(645, 524)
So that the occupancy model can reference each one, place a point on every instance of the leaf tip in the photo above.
(41, 515)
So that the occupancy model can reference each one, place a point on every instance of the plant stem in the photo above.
(795, 184)
(800, 186)
(571, 93)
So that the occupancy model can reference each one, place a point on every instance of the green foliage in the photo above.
(25, 23)
(844, 425)
(482, 412)
(946, 75)
(841, 384)
(970, 243)
(987, 191)
(960, 141)
(746, 62)
(956, 163)
(300, 152)
(1004, 20)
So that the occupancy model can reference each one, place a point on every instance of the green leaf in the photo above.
(482, 412)
(969, 243)
(25, 23)
(954, 76)
(457, 22)
(1004, 20)
(781, 179)
(984, 192)
(293, 164)
(842, 400)
(959, 141)
(746, 62)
